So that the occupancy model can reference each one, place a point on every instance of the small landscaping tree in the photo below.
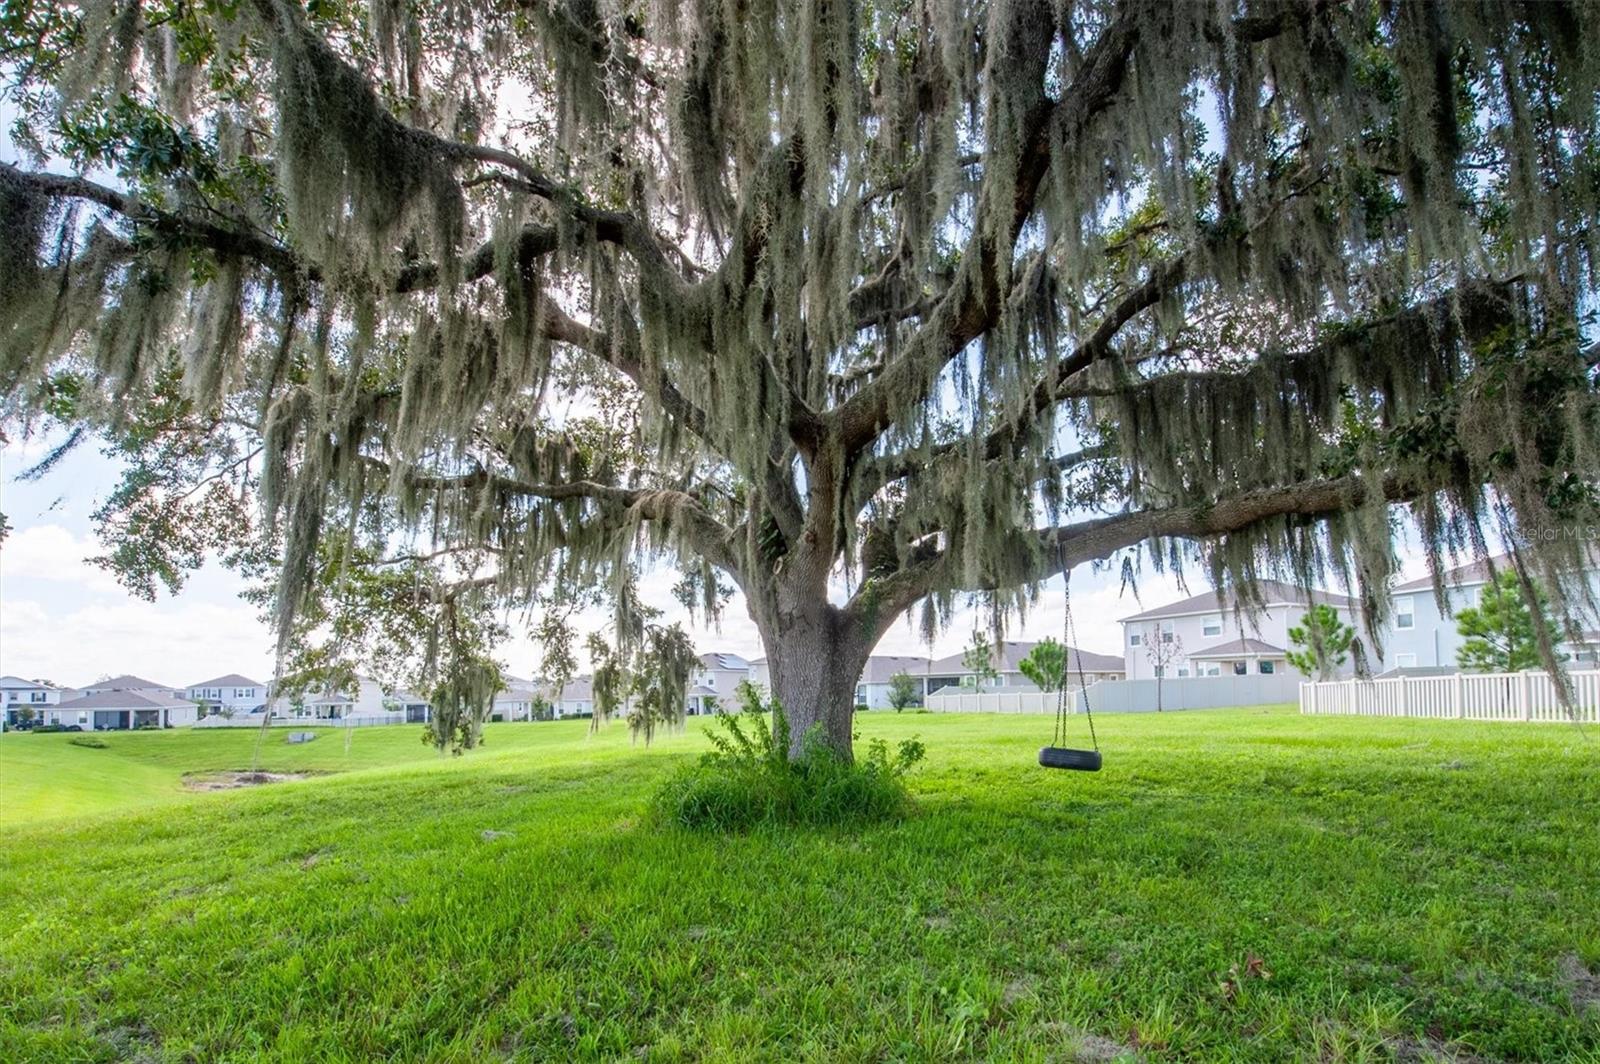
(1046, 665)
(978, 659)
(1324, 642)
(1162, 650)
(903, 692)
(1499, 631)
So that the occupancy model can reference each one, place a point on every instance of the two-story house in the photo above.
(1422, 635)
(228, 695)
(714, 682)
(127, 682)
(21, 698)
(1206, 635)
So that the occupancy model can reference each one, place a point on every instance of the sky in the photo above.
(67, 620)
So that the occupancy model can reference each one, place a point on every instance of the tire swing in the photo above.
(1057, 755)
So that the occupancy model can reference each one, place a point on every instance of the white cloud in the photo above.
(53, 553)
(171, 641)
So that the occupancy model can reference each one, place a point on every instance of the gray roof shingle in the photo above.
(1013, 651)
(145, 699)
(232, 679)
(1273, 592)
(126, 683)
(1237, 647)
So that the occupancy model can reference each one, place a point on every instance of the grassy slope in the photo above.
(46, 776)
(1409, 884)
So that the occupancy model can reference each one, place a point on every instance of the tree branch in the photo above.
(1043, 553)
(676, 509)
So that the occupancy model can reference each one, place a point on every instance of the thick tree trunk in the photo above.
(815, 659)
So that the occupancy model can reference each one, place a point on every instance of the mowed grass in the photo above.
(1415, 889)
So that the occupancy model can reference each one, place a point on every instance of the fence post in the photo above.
(1405, 698)
(1458, 704)
(1525, 696)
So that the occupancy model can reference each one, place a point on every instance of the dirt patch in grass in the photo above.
(230, 781)
(1085, 1047)
(1429, 1050)
(1582, 983)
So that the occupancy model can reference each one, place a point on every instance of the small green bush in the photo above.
(88, 741)
(749, 780)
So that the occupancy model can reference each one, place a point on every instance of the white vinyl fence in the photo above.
(1125, 696)
(957, 699)
(1530, 696)
(253, 720)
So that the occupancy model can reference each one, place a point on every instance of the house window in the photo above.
(1405, 616)
(83, 718)
(1240, 668)
(1405, 661)
(36, 696)
(1211, 626)
(1166, 631)
(1183, 670)
(1268, 668)
(1160, 671)
(1133, 639)
(1209, 668)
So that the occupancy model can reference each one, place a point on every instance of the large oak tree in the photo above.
(863, 307)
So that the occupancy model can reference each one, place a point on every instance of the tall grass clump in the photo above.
(748, 780)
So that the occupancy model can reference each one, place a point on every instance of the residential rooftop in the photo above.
(147, 698)
(1271, 593)
(232, 679)
(127, 682)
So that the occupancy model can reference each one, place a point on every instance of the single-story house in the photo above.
(1006, 661)
(872, 690)
(120, 710)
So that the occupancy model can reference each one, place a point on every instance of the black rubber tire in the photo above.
(1063, 757)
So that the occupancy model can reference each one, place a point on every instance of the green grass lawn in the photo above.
(1415, 889)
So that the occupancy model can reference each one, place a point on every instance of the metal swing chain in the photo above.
(1066, 629)
(1083, 685)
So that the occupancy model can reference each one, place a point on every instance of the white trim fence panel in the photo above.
(1126, 696)
(1510, 696)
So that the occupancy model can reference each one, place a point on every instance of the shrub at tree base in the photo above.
(748, 781)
